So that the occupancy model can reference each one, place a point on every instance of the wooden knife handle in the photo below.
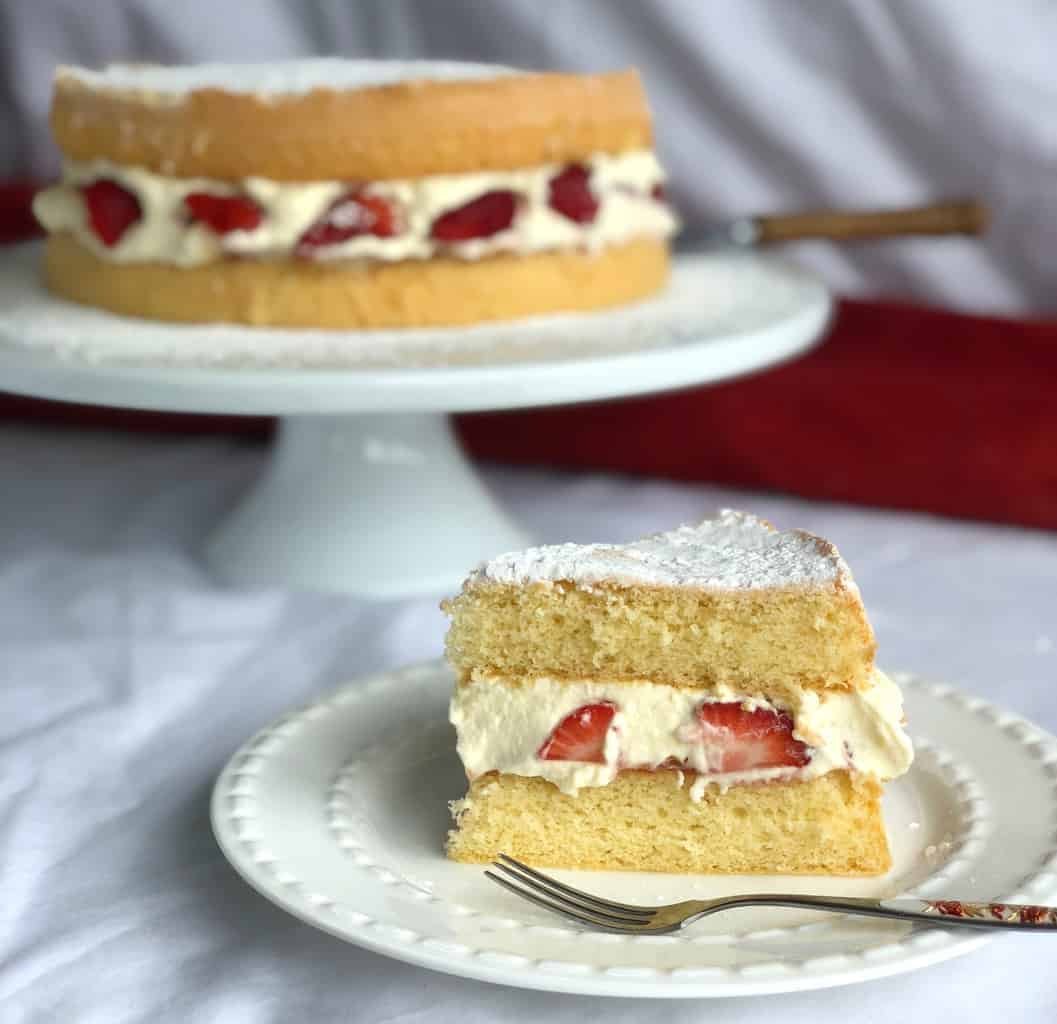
(967, 217)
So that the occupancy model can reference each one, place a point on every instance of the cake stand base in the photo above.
(375, 505)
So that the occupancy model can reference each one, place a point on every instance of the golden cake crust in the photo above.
(647, 821)
(404, 130)
(422, 293)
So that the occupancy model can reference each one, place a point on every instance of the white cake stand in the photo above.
(367, 490)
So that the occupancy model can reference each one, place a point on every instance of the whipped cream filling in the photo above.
(501, 723)
(621, 183)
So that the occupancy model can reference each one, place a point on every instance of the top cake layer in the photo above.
(349, 120)
(733, 552)
(731, 602)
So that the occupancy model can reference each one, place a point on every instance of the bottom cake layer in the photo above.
(646, 821)
(426, 293)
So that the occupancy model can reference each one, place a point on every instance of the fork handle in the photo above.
(1021, 916)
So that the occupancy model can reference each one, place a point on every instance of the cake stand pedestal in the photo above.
(385, 505)
(366, 490)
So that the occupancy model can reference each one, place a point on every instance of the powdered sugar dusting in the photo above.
(734, 551)
(719, 298)
(277, 78)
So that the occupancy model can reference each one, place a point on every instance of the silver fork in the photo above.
(610, 916)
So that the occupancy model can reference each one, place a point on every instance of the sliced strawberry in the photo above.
(488, 215)
(112, 210)
(659, 193)
(739, 740)
(571, 195)
(356, 213)
(580, 735)
(223, 213)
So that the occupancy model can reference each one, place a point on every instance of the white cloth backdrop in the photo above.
(761, 104)
(127, 679)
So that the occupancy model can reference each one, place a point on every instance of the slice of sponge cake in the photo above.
(701, 700)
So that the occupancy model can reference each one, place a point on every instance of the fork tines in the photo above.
(579, 906)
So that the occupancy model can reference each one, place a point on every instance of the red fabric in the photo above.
(900, 407)
(17, 222)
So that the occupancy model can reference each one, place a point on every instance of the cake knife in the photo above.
(960, 217)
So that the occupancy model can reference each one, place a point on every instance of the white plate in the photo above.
(337, 813)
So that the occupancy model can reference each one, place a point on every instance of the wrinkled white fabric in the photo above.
(127, 678)
(761, 105)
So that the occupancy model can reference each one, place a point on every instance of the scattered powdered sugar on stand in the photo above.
(709, 296)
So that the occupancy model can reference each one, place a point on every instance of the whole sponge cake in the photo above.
(701, 700)
(353, 193)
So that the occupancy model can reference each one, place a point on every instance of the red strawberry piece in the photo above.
(223, 213)
(580, 735)
(112, 210)
(356, 213)
(485, 216)
(659, 193)
(739, 740)
(571, 195)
